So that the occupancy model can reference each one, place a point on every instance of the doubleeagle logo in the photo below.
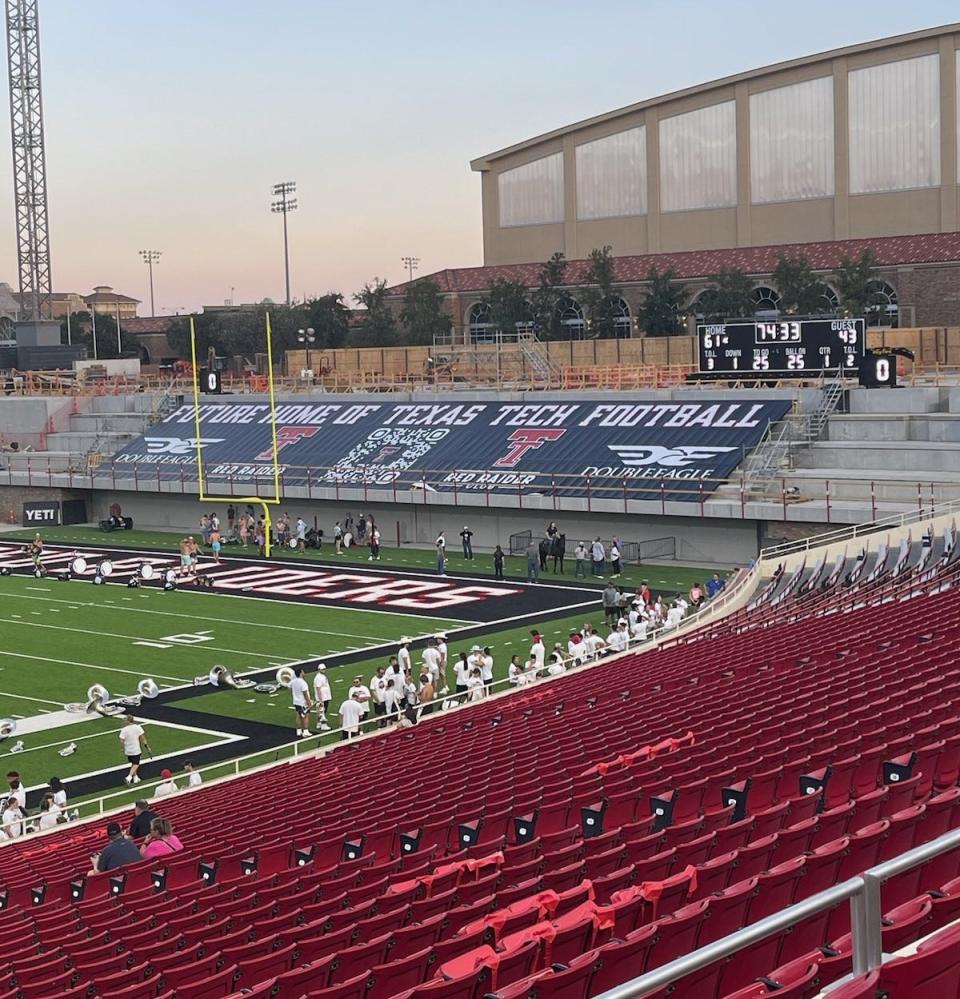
(178, 445)
(641, 455)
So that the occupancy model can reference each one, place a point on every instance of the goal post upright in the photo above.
(265, 502)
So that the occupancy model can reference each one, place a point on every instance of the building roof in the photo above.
(104, 294)
(484, 162)
(928, 248)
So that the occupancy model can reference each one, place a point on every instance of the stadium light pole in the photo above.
(151, 257)
(308, 337)
(411, 264)
(285, 204)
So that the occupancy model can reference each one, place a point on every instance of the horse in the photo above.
(558, 548)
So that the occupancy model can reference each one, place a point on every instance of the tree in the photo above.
(801, 291)
(548, 295)
(598, 295)
(730, 297)
(81, 334)
(659, 315)
(378, 328)
(852, 279)
(330, 319)
(423, 314)
(508, 305)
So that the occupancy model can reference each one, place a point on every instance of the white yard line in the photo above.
(133, 638)
(106, 669)
(23, 697)
(236, 596)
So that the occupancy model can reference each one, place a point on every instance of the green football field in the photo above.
(59, 638)
(662, 576)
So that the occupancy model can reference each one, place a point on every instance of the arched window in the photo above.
(766, 301)
(621, 318)
(882, 307)
(698, 304)
(480, 323)
(829, 303)
(570, 319)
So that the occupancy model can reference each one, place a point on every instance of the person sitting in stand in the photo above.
(160, 840)
(119, 851)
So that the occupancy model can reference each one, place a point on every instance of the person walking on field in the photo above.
(133, 740)
(598, 556)
(337, 538)
(615, 558)
(465, 535)
(441, 544)
(533, 562)
(580, 554)
(300, 693)
(498, 560)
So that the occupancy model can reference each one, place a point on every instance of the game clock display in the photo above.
(785, 347)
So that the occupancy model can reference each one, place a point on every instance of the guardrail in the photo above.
(861, 530)
(863, 893)
(795, 497)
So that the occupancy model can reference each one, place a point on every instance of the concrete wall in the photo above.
(840, 216)
(701, 542)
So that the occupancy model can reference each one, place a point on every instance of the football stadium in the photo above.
(601, 641)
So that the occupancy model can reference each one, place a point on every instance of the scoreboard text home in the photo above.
(798, 347)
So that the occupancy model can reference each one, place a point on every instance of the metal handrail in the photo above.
(862, 891)
(860, 530)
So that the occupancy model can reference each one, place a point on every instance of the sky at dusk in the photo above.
(168, 121)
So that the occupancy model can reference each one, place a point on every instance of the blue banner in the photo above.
(647, 449)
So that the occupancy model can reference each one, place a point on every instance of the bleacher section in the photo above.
(563, 839)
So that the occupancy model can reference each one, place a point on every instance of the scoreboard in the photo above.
(796, 347)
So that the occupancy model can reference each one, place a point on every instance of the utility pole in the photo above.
(29, 158)
(151, 257)
(285, 204)
(411, 264)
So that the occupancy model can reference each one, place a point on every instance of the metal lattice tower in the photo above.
(29, 159)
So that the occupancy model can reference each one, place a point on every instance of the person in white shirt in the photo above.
(59, 792)
(11, 821)
(594, 643)
(362, 693)
(576, 648)
(557, 663)
(598, 557)
(441, 638)
(410, 691)
(133, 740)
(638, 630)
(538, 653)
(617, 639)
(461, 672)
(475, 690)
(441, 544)
(323, 694)
(674, 616)
(50, 813)
(378, 686)
(167, 786)
(516, 676)
(392, 698)
(301, 534)
(300, 694)
(486, 668)
(193, 778)
(403, 655)
(431, 661)
(17, 790)
(351, 711)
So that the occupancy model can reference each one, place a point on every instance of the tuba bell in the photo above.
(285, 676)
(148, 689)
(97, 698)
(220, 676)
(7, 727)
